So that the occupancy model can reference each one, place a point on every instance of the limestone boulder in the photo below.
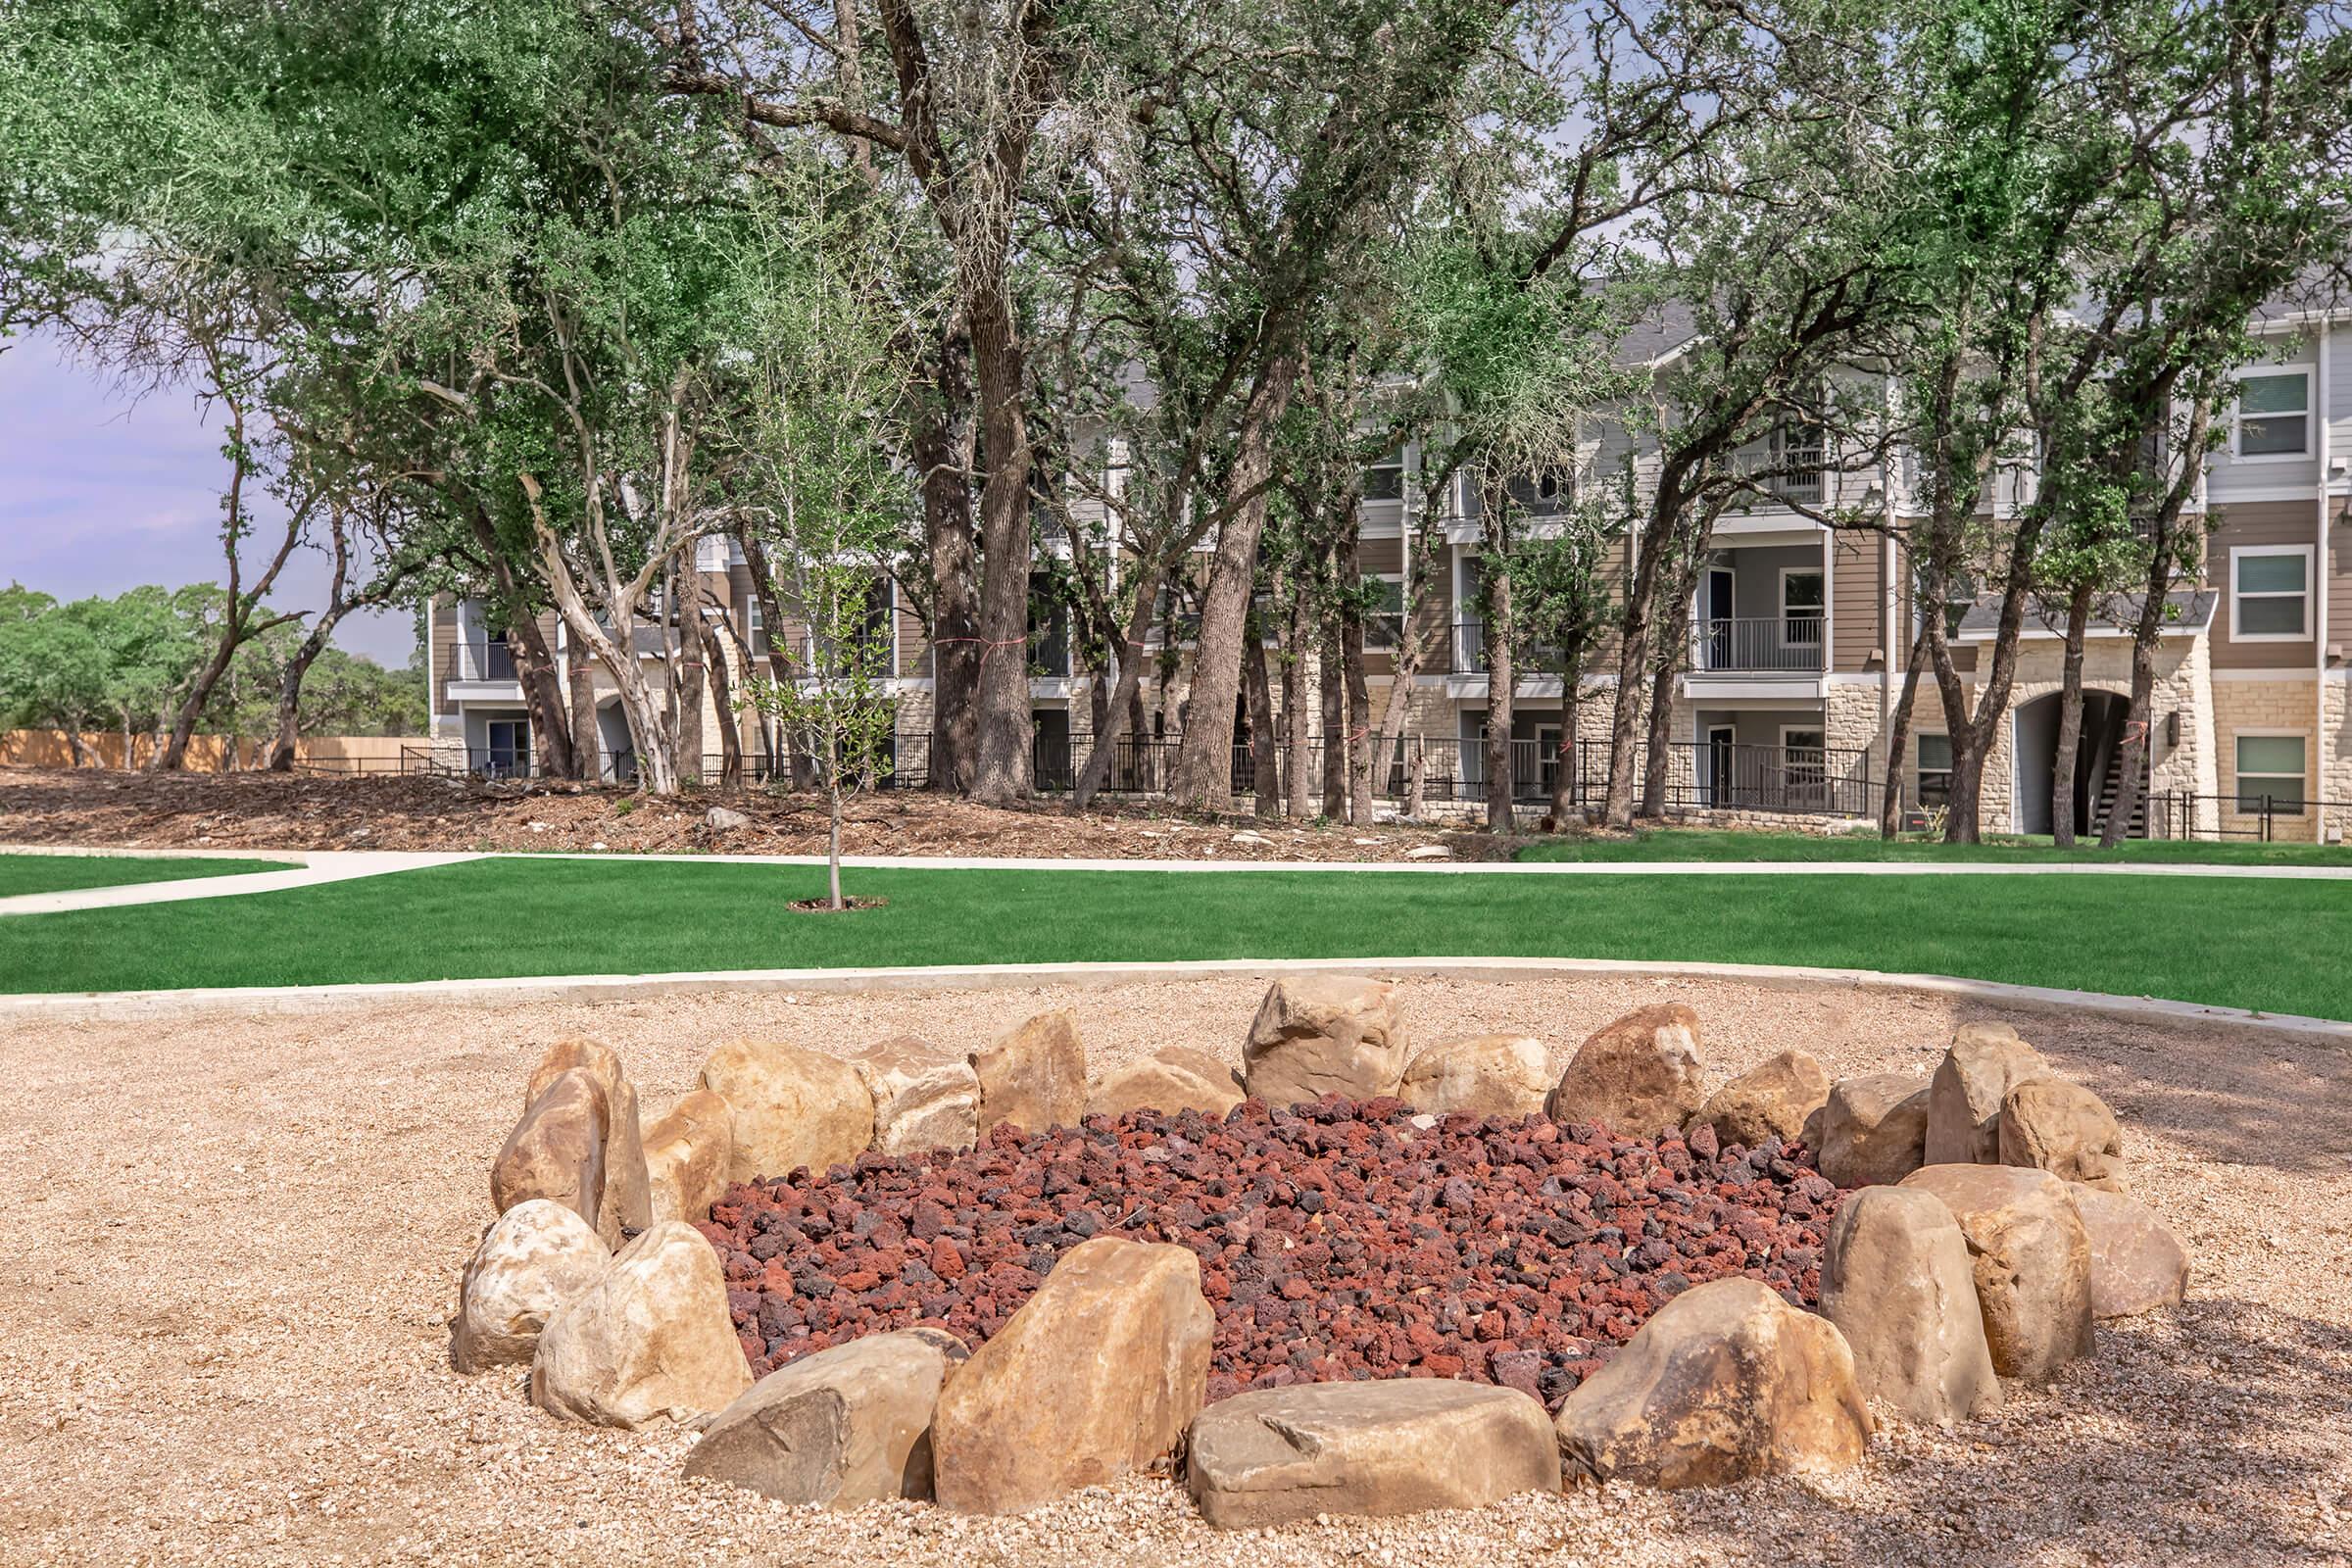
(627, 1207)
(537, 1259)
(1097, 1374)
(1772, 1099)
(1317, 1035)
(1724, 1382)
(1964, 1100)
(2031, 1257)
(2137, 1263)
(651, 1340)
(1874, 1129)
(1488, 1075)
(845, 1426)
(791, 1107)
(687, 1153)
(923, 1098)
(1034, 1077)
(1898, 1282)
(556, 1150)
(1171, 1079)
(1638, 1077)
(2060, 1127)
(1274, 1457)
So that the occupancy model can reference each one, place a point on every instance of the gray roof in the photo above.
(2192, 611)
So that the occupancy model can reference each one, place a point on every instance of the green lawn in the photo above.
(59, 873)
(1715, 844)
(2270, 945)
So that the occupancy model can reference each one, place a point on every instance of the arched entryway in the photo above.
(2095, 759)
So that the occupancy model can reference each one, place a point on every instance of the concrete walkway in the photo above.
(316, 866)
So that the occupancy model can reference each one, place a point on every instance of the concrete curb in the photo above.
(288, 1000)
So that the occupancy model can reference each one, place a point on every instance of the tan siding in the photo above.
(444, 650)
(1855, 601)
(2338, 574)
(2256, 522)
(1381, 557)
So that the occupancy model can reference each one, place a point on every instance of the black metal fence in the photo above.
(2256, 814)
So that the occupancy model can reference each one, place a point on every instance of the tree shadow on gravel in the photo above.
(2220, 1436)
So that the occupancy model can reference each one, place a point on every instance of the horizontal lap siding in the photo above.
(2256, 522)
(1856, 581)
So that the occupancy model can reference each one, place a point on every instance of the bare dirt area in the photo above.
(93, 808)
(229, 1248)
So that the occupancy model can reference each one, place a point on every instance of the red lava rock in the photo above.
(1337, 1240)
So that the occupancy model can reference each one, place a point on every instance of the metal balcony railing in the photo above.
(483, 658)
(1761, 645)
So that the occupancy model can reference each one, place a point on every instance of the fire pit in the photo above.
(1337, 1240)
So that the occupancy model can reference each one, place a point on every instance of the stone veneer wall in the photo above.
(2288, 706)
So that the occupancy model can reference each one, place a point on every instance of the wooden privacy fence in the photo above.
(53, 748)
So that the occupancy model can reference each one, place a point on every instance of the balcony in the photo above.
(483, 669)
(1760, 644)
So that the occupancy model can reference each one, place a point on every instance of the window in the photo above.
(2270, 593)
(1802, 603)
(507, 753)
(2270, 774)
(1384, 620)
(755, 625)
(2273, 414)
(1543, 494)
(1934, 770)
(1384, 481)
(1804, 762)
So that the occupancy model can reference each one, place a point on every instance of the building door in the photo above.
(1721, 739)
(1547, 759)
(508, 754)
(1718, 611)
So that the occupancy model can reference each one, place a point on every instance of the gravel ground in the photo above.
(229, 1248)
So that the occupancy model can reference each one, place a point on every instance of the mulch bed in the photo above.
(1336, 1240)
(94, 808)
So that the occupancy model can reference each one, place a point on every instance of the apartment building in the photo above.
(1798, 637)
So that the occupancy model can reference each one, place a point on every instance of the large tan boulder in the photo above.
(1321, 1034)
(1874, 1129)
(1096, 1375)
(1964, 1100)
(791, 1107)
(1638, 1077)
(1274, 1457)
(556, 1150)
(923, 1098)
(2031, 1260)
(627, 1208)
(1487, 1075)
(1898, 1282)
(845, 1426)
(2063, 1128)
(687, 1153)
(1034, 1077)
(1727, 1381)
(2137, 1263)
(1171, 1079)
(1772, 1099)
(650, 1340)
(537, 1259)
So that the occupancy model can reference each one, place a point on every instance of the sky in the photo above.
(100, 493)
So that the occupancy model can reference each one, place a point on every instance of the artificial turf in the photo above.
(61, 873)
(1712, 843)
(2270, 944)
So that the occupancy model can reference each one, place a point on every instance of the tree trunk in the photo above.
(556, 740)
(1335, 727)
(587, 737)
(1410, 650)
(941, 441)
(1204, 759)
(1563, 767)
(1265, 756)
(1502, 680)
(1002, 773)
(1359, 698)
(289, 693)
(2070, 719)
(1666, 662)
(723, 699)
(833, 832)
(1299, 784)
(1128, 698)
(687, 695)
(1898, 739)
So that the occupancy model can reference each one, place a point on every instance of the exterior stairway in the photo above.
(2111, 785)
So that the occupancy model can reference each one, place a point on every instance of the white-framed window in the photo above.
(1935, 756)
(1384, 622)
(2269, 769)
(2270, 593)
(1804, 599)
(1545, 493)
(754, 626)
(1384, 478)
(2273, 417)
(1804, 758)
